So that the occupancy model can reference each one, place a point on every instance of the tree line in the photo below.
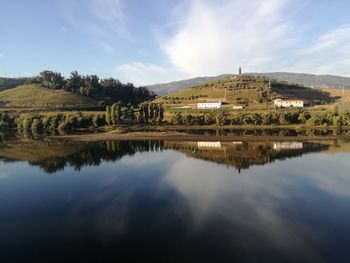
(276, 118)
(106, 91)
(146, 113)
(153, 113)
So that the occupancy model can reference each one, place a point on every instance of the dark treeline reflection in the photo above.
(97, 153)
(54, 155)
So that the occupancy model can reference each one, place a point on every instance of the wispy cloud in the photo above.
(259, 35)
(330, 53)
(107, 47)
(112, 13)
(1, 55)
(104, 18)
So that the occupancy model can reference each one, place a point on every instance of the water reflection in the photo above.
(175, 201)
(54, 155)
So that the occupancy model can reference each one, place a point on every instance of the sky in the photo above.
(155, 41)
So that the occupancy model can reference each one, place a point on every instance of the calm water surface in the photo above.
(174, 201)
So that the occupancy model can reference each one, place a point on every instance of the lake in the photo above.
(167, 201)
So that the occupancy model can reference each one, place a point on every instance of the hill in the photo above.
(308, 80)
(247, 91)
(36, 97)
(8, 83)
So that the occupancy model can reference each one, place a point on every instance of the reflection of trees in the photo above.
(56, 155)
(95, 154)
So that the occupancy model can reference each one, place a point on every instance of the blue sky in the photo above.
(154, 41)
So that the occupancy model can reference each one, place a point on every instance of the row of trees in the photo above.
(59, 122)
(277, 118)
(153, 113)
(107, 90)
(147, 113)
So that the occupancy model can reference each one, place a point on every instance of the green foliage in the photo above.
(277, 118)
(6, 121)
(107, 90)
(109, 113)
(220, 119)
(98, 120)
(37, 125)
(151, 113)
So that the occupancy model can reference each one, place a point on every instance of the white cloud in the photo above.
(145, 74)
(258, 35)
(217, 40)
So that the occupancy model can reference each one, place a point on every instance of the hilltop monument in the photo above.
(240, 71)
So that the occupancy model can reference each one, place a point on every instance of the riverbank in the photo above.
(182, 136)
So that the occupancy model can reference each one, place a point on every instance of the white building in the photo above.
(279, 103)
(209, 144)
(288, 146)
(209, 105)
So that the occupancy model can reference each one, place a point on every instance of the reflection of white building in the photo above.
(237, 107)
(209, 144)
(288, 146)
(209, 105)
(279, 103)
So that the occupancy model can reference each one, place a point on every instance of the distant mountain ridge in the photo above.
(308, 80)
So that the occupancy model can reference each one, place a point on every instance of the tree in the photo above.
(161, 113)
(267, 119)
(74, 82)
(113, 114)
(132, 114)
(108, 115)
(188, 119)
(177, 119)
(220, 119)
(256, 118)
(52, 80)
(282, 119)
(37, 126)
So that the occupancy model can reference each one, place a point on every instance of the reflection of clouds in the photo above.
(146, 159)
(113, 208)
(262, 201)
(3, 175)
(329, 172)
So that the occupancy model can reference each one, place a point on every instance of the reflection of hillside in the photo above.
(243, 155)
(53, 155)
(37, 150)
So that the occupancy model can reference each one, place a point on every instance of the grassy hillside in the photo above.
(33, 96)
(247, 91)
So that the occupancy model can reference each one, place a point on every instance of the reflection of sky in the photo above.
(297, 207)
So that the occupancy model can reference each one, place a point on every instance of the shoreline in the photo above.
(178, 136)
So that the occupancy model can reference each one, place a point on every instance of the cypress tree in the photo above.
(114, 114)
(108, 115)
